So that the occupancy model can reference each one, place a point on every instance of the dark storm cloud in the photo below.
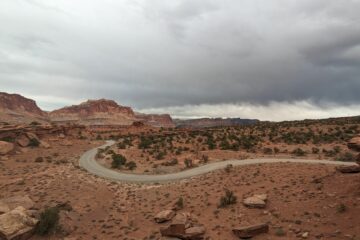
(159, 54)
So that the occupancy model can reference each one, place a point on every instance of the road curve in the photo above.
(88, 162)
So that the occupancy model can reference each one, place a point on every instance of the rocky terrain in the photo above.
(266, 201)
(45, 194)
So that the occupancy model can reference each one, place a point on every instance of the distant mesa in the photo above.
(16, 109)
(213, 122)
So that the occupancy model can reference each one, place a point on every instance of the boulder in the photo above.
(349, 169)
(179, 231)
(23, 141)
(32, 136)
(4, 208)
(164, 216)
(44, 144)
(256, 201)
(16, 224)
(66, 143)
(182, 218)
(16, 201)
(251, 231)
(354, 144)
(5, 147)
(196, 232)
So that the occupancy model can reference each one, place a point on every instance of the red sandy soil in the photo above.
(302, 198)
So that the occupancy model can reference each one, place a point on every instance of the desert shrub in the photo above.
(171, 162)
(346, 157)
(121, 145)
(39, 159)
(267, 151)
(228, 168)
(98, 137)
(8, 139)
(49, 220)
(160, 156)
(118, 161)
(341, 208)
(276, 150)
(228, 199)
(315, 150)
(205, 158)
(180, 203)
(280, 232)
(188, 163)
(131, 165)
(299, 152)
(34, 142)
(34, 123)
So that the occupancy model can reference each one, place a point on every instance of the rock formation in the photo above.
(156, 120)
(15, 108)
(94, 112)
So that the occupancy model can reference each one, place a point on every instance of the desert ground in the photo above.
(303, 201)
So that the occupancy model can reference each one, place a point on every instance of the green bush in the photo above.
(180, 203)
(34, 142)
(228, 199)
(131, 165)
(118, 161)
(346, 157)
(49, 220)
(299, 152)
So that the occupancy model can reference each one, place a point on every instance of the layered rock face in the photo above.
(95, 112)
(15, 108)
(156, 120)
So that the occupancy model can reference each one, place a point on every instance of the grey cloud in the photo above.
(160, 54)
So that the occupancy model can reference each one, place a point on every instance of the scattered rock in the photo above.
(32, 136)
(66, 143)
(179, 231)
(44, 144)
(349, 169)
(14, 202)
(196, 232)
(23, 141)
(5, 147)
(305, 235)
(16, 224)
(164, 216)
(251, 231)
(256, 201)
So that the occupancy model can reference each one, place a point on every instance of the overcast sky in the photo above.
(272, 60)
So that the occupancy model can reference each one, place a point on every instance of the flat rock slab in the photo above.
(164, 216)
(251, 231)
(16, 224)
(256, 201)
(349, 169)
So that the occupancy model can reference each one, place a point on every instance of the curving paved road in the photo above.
(88, 162)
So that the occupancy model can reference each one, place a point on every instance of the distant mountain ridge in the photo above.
(213, 122)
